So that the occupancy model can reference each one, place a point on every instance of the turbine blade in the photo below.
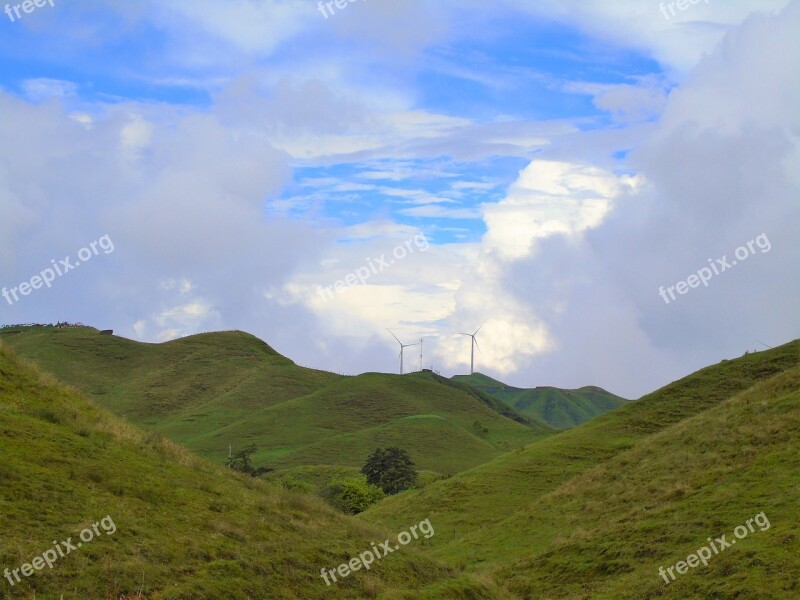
(474, 339)
(479, 328)
(395, 337)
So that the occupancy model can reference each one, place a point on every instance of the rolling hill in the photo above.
(556, 407)
(174, 526)
(594, 511)
(210, 391)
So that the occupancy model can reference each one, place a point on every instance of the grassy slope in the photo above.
(558, 408)
(659, 502)
(209, 390)
(185, 528)
(478, 510)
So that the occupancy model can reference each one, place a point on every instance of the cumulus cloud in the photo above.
(720, 170)
(550, 198)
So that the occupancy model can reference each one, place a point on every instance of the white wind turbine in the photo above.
(402, 347)
(472, 348)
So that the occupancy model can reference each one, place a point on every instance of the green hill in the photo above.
(210, 391)
(558, 408)
(169, 525)
(594, 511)
(589, 512)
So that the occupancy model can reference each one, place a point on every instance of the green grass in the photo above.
(314, 479)
(654, 505)
(211, 390)
(589, 512)
(593, 511)
(186, 528)
(555, 407)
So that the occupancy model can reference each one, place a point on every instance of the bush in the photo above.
(391, 470)
(294, 485)
(353, 495)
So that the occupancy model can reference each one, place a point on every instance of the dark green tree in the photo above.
(240, 461)
(391, 469)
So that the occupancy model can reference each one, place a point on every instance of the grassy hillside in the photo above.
(211, 390)
(658, 503)
(558, 408)
(590, 512)
(593, 511)
(185, 528)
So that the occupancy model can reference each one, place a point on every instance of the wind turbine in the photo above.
(472, 348)
(402, 347)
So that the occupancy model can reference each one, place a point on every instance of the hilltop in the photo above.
(556, 407)
(213, 390)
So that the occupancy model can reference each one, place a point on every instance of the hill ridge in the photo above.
(556, 407)
(212, 391)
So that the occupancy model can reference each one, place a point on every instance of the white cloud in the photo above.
(679, 42)
(550, 198)
(135, 137)
(43, 88)
(631, 103)
(253, 27)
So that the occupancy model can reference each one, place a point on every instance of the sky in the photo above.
(608, 190)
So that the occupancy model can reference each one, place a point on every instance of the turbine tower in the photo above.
(472, 348)
(402, 347)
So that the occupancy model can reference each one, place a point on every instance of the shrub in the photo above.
(352, 495)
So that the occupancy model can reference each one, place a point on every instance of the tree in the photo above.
(240, 461)
(391, 469)
(352, 495)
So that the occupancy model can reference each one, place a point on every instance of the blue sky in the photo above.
(562, 160)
